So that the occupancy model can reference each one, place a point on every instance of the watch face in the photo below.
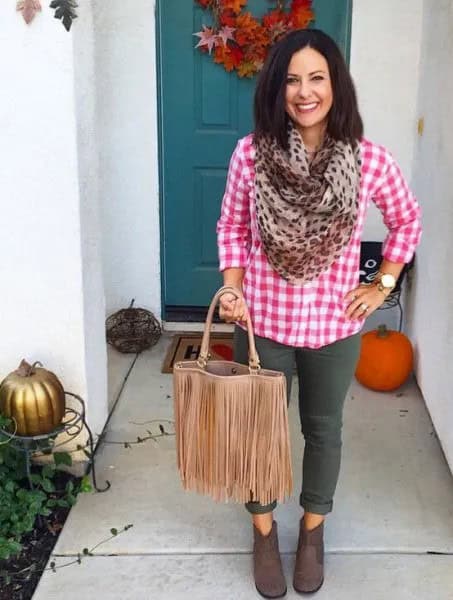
(388, 280)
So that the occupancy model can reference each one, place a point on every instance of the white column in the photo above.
(128, 143)
(51, 298)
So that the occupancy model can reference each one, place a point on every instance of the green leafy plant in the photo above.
(20, 505)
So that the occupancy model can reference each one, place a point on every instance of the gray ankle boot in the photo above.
(267, 565)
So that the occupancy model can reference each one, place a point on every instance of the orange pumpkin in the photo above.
(386, 359)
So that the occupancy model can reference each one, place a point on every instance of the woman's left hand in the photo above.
(363, 300)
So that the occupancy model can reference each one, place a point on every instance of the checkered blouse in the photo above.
(312, 314)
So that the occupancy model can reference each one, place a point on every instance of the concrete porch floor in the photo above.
(390, 535)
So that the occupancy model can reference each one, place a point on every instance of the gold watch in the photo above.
(385, 282)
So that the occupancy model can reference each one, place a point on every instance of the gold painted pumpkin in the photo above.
(34, 398)
(386, 359)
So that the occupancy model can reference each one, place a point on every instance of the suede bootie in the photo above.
(267, 564)
(309, 567)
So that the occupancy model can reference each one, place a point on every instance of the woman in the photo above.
(289, 237)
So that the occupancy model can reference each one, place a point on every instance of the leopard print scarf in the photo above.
(306, 213)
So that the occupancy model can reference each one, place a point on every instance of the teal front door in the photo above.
(203, 112)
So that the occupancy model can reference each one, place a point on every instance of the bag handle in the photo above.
(204, 356)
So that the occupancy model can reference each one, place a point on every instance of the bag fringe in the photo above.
(232, 436)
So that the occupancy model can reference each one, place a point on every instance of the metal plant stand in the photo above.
(74, 422)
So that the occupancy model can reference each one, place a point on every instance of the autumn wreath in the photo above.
(239, 40)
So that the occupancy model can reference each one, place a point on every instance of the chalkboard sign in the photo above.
(370, 259)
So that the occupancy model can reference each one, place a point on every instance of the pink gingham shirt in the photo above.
(312, 314)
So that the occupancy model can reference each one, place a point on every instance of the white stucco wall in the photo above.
(46, 258)
(431, 301)
(385, 57)
(127, 119)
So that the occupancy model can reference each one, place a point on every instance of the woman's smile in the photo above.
(307, 108)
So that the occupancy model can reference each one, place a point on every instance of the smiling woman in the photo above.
(289, 237)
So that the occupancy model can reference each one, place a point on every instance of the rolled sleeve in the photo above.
(233, 226)
(401, 213)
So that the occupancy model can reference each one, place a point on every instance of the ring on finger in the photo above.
(364, 307)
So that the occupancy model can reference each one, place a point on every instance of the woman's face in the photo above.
(309, 95)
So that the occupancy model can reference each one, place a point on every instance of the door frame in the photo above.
(349, 9)
(160, 153)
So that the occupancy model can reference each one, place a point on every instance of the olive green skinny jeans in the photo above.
(324, 377)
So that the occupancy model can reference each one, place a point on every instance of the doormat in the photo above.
(186, 346)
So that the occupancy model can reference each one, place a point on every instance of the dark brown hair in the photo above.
(344, 120)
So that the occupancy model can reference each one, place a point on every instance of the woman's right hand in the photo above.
(232, 308)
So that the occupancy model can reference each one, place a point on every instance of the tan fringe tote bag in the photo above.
(231, 423)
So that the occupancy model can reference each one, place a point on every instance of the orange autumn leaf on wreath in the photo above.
(276, 22)
(228, 20)
(255, 54)
(233, 5)
(249, 30)
(222, 57)
(246, 69)
(274, 18)
(301, 18)
(229, 57)
(301, 13)
(237, 55)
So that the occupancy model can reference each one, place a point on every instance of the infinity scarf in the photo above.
(306, 213)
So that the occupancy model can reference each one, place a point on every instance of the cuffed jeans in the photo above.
(324, 377)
